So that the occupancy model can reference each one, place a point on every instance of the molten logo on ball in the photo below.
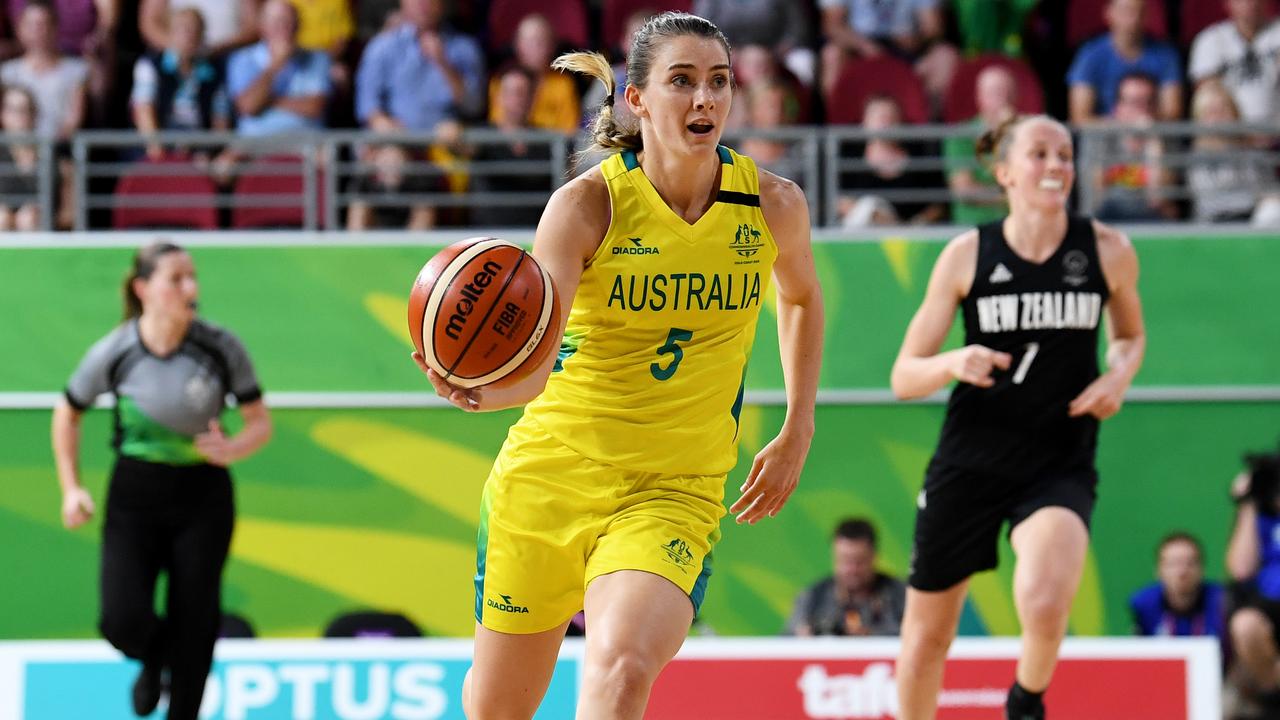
(471, 293)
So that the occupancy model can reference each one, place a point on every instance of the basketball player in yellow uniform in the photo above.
(607, 495)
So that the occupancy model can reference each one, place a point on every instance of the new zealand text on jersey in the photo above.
(1039, 311)
(685, 291)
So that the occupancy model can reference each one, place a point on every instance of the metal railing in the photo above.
(45, 177)
(326, 168)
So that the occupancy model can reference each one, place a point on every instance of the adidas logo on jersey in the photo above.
(1000, 275)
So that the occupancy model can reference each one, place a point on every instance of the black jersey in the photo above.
(1046, 316)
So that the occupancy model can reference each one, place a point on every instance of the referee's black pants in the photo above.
(176, 520)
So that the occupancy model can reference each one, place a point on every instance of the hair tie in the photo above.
(608, 100)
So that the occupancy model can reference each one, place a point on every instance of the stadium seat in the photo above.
(568, 17)
(1200, 14)
(614, 14)
(372, 624)
(160, 181)
(961, 105)
(861, 78)
(1085, 19)
(274, 187)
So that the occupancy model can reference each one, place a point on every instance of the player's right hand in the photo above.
(973, 364)
(77, 507)
(464, 398)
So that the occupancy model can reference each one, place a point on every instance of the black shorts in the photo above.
(960, 512)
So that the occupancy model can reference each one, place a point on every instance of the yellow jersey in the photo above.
(652, 365)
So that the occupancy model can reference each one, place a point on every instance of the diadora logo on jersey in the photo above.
(637, 247)
(746, 241)
(507, 605)
(1075, 263)
(678, 552)
(1000, 275)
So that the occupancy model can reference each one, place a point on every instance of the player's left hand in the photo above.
(215, 446)
(1101, 399)
(773, 477)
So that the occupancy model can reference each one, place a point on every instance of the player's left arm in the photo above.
(776, 470)
(1126, 334)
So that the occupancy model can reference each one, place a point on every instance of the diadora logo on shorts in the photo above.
(637, 247)
(507, 605)
(678, 552)
(746, 241)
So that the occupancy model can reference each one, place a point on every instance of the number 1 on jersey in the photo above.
(1027, 358)
(676, 352)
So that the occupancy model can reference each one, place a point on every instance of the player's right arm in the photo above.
(920, 370)
(1244, 549)
(77, 505)
(571, 229)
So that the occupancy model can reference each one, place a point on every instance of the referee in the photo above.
(169, 506)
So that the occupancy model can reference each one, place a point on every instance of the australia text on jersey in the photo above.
(1039, 311)
(677, 291)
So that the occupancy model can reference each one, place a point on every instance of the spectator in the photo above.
(86, 29)
(782, 27)
(228, 24)
(328, 26)
(19, 162)
(58, 83)
(856, 599)
(515, 98)
(888, 189)
(987, 26)
(769, 105)
(278, 87)
(1180, 602)
(1094, 77)
(977, 197)
(374, 209)
(1226, 174)
(419, 74)
(179, 88)
(910, 29)
(555, 95)
(1243, 52)
(1253, 563)
(1131, 178)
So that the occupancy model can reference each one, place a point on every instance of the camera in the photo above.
(1264, 481)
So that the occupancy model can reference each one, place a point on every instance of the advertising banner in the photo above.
(711, 679)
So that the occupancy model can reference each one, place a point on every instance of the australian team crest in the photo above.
(746, 241)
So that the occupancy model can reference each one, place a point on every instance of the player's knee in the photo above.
(623, 673)
(924, 644)
(1041, 609)
(496, 706)
(1248, 625)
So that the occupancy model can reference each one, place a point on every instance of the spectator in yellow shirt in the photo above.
(555, 98)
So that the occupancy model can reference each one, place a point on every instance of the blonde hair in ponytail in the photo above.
(606, 132)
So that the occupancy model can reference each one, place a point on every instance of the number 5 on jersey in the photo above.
(675, 351)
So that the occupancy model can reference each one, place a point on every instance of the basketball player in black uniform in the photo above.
(1021, 429)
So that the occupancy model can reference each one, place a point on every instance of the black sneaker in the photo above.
(146, 690)
(1022, 705)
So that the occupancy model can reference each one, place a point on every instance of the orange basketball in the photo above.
(483, 311)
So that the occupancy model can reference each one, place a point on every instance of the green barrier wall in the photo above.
(353, 508)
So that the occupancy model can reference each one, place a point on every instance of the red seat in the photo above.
(1200, 14)
(1086, 18)
(961, 101)
(272, 188)
(861, 78)
(161, 182)
(568, 17)
(614, 14)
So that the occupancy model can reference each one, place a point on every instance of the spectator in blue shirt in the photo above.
(1253, 561)
(1181, 602)
(418, 74)
(1095, 74)
(276, 86)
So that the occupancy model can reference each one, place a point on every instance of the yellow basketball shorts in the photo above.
(551, 521)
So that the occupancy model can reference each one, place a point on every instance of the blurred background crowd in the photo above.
(897, 91)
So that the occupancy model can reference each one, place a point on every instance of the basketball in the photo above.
(483, 311)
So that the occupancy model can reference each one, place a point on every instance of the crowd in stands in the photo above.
(275, 68)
